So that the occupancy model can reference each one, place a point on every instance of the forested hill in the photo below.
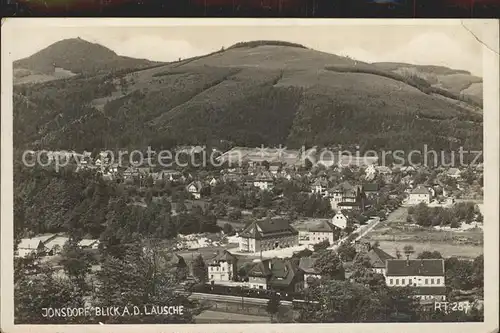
(254, 93)
(73, 56)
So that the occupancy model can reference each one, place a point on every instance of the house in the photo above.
(55, 245)
(166, 175)
(453, 173)
(346, 196)
(340, 220)
(34, 245)
(310, 272)
(195, 189)
(318, 231)
(370, 172)
(274, 168)
(29, 246)
(418, 195)
(281, 275)
(378, 258)
(130, 173)
(268, 234)
(319, 186)
(384, 170)
(89, 244)
(264, 181)
(259, 274)
(213, 182)
(222, 267)
(426, 277)
(285, 276)
(371, 189)
(407, 180)
(407, 169)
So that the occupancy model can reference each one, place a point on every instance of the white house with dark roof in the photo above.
(268, 234)
(453, 173)
(426, 277)
(195, 189)
(264, 181)
(318, 231)
(418, 195)
(319, 186)
(223, 267)
(347, 196)
(340, 220)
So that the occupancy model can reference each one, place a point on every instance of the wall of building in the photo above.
(270, 243)
(418, 198)
(222, 272)
(318, 237)
(248, 245)
(417, 281)
(257, 282)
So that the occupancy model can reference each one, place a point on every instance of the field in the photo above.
(395, 233)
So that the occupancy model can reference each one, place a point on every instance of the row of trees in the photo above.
(439, 216)
(143, 276)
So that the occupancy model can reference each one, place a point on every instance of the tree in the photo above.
(323, 245)
(36, 286)
(347, 252)
(228, 229)
(199, 269)
(273, 305)
(408, 250)
(302, 254)
(329, 265)
(145, 276)
(479, 217)
(430, 255)
(399, 304)
(76, 263)
(459, 273)
(362, 272)
(340, 301)
(234, 215)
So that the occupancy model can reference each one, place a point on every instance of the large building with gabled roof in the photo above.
(268, 234)
(426, 277)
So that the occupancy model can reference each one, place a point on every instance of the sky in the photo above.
(445, 45)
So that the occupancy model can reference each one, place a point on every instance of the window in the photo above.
(211, 276)
(403, 282)
(426, 281)
(438, 281)
(397, 282)
(261, 287)
(432, 281)
(390, 281)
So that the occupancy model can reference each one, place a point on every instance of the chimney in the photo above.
(407, 260)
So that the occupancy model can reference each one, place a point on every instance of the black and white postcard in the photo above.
(187, 174)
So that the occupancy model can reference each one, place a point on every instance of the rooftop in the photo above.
(420, 190)
(415, 267)
(268, 228)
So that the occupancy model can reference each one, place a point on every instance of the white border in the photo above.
(489, 35)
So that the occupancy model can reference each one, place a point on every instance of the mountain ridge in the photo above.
(261, 92)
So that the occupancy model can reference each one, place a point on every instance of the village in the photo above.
(359, 207)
